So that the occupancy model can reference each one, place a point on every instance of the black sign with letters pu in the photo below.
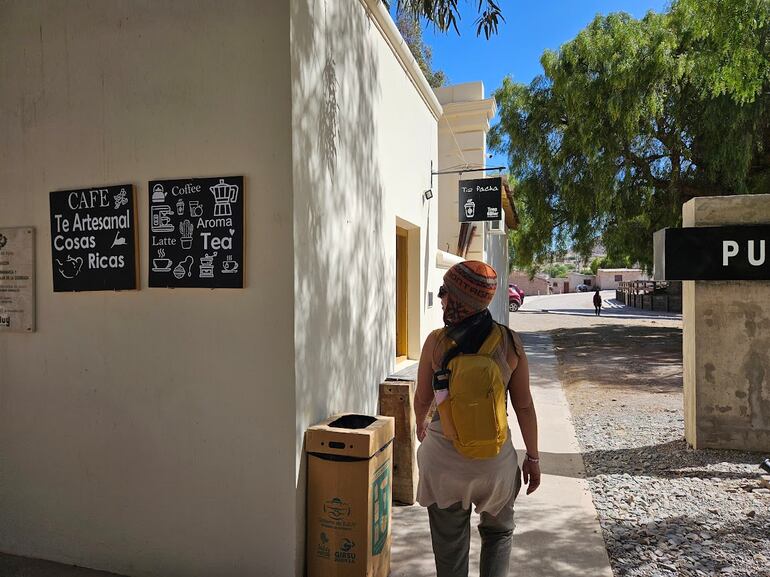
(196, 232)
(713, 253)
(481, 199)
(93, 239)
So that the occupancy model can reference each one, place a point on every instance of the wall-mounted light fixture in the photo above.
(428, 194)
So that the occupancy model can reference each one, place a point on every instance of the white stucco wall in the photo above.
(575, 279)
(497, 257)
(605, 277)
(364, 136)
(150, 432)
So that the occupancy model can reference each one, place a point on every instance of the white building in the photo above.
(159, 432)
(576, 278)
(608, 278)
(462, 151)
(538, 285)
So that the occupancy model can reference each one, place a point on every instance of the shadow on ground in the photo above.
(621, 357)
(550, 529)
(672, 460)
(12, 566)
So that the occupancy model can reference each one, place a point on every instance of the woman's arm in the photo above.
(521, 399)
(423, 396)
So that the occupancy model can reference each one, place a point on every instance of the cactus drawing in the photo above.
(186, 229)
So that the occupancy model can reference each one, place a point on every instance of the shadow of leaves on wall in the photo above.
(328, 127)
(343, 263)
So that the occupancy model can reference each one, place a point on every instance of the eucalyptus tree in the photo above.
(444, 14)
(632, 118)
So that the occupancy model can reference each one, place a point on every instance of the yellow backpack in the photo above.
(478, 400)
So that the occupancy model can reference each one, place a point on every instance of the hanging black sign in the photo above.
(93, 239)
(713, 253)
(481, 199)
(196, 232)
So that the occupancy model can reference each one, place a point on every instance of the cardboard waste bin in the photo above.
(349, 480)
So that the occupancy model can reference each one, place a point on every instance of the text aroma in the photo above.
(754, 250)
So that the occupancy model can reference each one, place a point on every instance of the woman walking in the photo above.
(598, 303)
(466, 457)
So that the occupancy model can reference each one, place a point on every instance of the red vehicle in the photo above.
(515, 297)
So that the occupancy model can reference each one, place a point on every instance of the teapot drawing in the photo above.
(158, 194)
(71, 267)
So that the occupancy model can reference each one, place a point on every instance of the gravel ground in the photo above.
(665, 509)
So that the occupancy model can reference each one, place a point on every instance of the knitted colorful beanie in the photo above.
(470, 286)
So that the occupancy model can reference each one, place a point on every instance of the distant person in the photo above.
(466, 373)
(598, 302)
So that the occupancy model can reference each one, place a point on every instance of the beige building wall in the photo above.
(150, 432)
(537, 286)
(463, 144)
(575, 279)
(726, 341)
(559, 284)
(364, 127)
(609, 278)
(159, 432)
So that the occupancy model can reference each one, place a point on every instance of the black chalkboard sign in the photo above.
(93, 239)
(481, 199)
(196, 232)
(713, 253)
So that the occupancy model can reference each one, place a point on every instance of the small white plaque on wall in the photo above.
(17, 279)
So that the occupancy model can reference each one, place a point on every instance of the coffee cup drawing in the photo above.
(161, 264)
(470, 208)
(229, 265)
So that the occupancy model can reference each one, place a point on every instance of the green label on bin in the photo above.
(380, 508)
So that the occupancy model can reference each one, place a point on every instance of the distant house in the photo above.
(537, 286)
(575, 279)
(608, 278)
(559, 285)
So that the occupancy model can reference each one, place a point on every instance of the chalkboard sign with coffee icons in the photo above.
(93, 239)
(480, 199)
(196, 232)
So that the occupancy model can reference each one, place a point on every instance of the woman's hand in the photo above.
(421, 431)
(530, 471)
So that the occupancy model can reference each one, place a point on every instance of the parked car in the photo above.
(582, 288)
(514, 299)
(518, 290)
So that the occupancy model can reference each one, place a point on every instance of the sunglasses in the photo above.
(442, 292)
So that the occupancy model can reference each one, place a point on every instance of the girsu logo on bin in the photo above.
(345, 553)
(337, 509)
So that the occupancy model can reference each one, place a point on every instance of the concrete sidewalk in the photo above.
(557, 529)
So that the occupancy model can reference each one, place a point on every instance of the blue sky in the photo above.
(529, 29)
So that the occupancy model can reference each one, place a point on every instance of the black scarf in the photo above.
(470, 333)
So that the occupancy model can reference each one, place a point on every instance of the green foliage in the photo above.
(557, 270)
(411, 30)
(631, 119)
(606, 262)
(444, 14)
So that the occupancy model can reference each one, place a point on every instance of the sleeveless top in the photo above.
(446, 476)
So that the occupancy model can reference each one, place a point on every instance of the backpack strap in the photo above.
(492, 341)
